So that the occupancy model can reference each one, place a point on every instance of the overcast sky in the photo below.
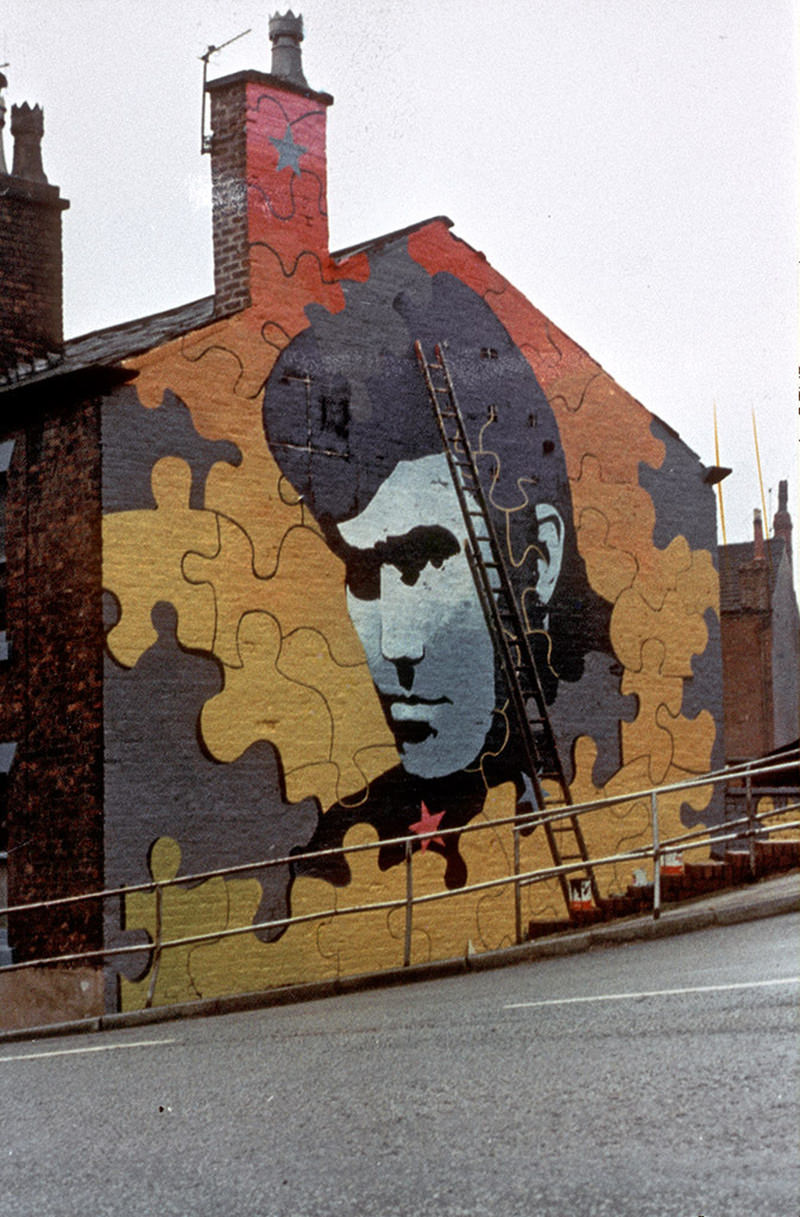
(631, 166)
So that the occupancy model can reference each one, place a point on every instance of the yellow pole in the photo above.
(760, 478)
(719, 484)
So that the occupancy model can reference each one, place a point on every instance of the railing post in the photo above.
(656, 857)
(409, 907)
(751, 836)
(517, 890)
(151, 989)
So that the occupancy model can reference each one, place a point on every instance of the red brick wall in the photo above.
(747, 684)
(51, 690)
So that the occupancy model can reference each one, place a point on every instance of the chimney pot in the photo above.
(286, 34)
(782, 521)
(758, 536)
(27, 128)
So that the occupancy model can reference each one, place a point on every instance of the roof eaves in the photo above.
(387, 238)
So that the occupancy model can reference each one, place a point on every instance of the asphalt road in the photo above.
(654, 1080)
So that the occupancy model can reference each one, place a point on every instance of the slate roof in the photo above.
(108, 347)
(732, 557)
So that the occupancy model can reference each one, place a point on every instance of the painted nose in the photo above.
(402, 635)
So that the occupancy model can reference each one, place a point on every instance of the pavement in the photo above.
(770, 897)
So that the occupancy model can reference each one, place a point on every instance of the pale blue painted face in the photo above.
(413, 601)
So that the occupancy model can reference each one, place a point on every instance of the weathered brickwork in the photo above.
(229, 194)
(747, 658)
(760, 643)
(53, 680)
(30, 270)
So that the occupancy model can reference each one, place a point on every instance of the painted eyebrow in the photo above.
(409, 553)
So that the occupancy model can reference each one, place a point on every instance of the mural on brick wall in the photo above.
(297, 658)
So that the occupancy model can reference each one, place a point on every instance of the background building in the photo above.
(760, 639)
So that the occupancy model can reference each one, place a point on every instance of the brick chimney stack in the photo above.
(31, 312)
(268, 172)
(782, 521)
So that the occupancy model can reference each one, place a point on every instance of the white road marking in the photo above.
(35, 1056)
(570, 1001)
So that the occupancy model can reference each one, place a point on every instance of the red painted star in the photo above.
(427, 826)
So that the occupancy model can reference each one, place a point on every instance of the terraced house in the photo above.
(350, 570)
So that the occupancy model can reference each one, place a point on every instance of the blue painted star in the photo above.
(289, 151)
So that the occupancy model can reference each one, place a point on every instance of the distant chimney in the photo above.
(3, 83)
(782, 521)
(758, 537)
(268, 172)
(31, 315)
(27, 128)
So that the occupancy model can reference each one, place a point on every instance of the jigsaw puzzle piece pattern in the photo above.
(259, 702)
(184, 912)
(434, 248)
(286, 678)
(315, 712)
(644, 736)
(362, 745)
(266, 548)
(323, 948)
(327, 947)
(142, 564)
(610, 570)
(306, 590)
(248, 492)
(692, 738)
(235, 963)
(659, 594)
(463, 922)
(682, 635)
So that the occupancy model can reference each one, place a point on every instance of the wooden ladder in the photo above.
(506, 622)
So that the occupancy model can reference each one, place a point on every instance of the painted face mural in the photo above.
(348, 419)
(296, 658)
(309, 610)
(412, 599)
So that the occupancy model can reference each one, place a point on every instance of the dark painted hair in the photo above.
(346, 402)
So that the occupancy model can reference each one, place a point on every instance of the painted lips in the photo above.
(410, 716)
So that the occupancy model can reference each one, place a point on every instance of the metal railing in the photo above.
(746, 829)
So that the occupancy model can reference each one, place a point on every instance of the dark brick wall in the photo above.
(51, 690)
(747, 683)
(229, 191)
(30, 270)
